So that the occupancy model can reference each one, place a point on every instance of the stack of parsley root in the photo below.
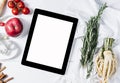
(106, 61)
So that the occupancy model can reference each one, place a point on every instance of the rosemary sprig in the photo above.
(90, 41)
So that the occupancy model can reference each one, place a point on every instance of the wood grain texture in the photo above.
(2, 4)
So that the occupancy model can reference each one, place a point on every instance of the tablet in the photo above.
(49, 41)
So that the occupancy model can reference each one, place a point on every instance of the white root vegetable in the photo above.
(106, 61)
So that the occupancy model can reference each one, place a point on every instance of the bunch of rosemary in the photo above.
(90, 41)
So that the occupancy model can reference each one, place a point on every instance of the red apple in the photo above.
(13, 27)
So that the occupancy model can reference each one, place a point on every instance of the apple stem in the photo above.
(2, 23)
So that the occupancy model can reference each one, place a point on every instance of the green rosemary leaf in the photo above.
(90, 41)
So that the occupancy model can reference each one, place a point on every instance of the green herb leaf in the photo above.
(90, 41)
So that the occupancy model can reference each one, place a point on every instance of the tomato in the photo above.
(2, 23)
(15, 11)
(25, 10)
(20, 4)
(11, 4)
(17, 1)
